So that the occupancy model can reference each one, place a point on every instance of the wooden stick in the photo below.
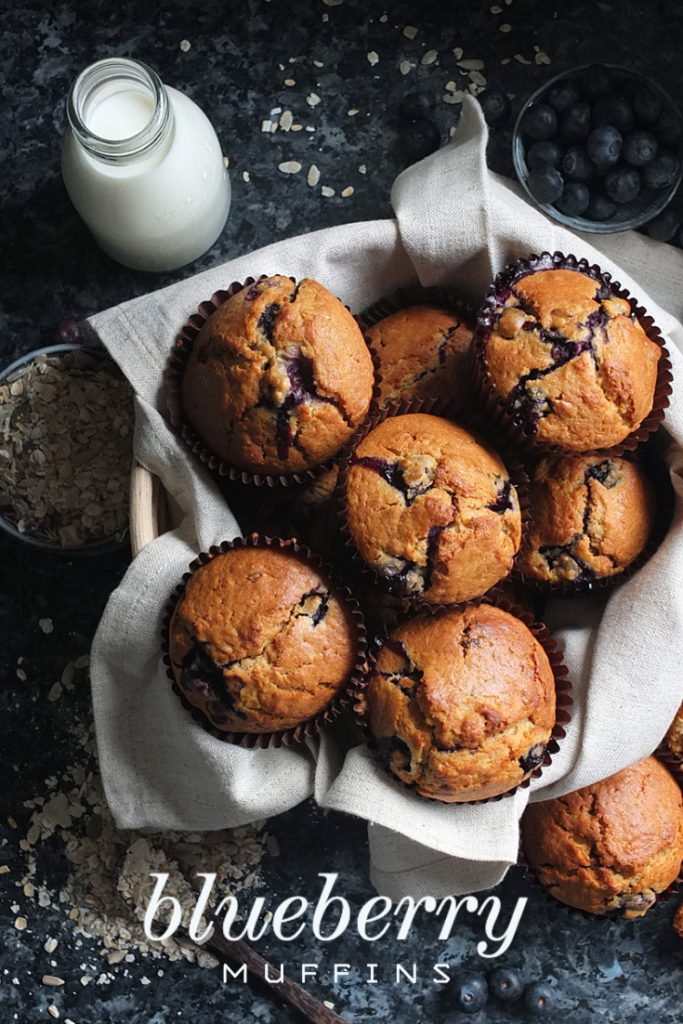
(240, 952)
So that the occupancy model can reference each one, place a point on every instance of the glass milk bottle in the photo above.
(143, 167)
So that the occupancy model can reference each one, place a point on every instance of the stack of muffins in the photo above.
(441, 462)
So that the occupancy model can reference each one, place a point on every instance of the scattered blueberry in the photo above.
(596, 80)
(415, 106)
(622, 184)
(615, 110)
(574, 199)
(661, 172)
(506, 984)
(668, 127)
(601, 208)
(539, 998)
(545, 183)
(664, 227)
(647, 105)
(68, 333)
(539, 122)
(562, 95)
(495, 105)
(544, 151)
(604, 145)
(471, 992)
(576, 122)
(576, 163)
(640, 148)
(419, 139)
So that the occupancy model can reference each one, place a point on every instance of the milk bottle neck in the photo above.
(119, 110)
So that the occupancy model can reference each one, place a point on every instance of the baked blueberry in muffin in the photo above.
(431, 510)
(278, 378)
(461, 704)
(571, 363)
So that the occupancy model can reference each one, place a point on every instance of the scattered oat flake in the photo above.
(506, 60)
(53, 1011)
(384, 18)
(348, 191)
(4, 869)
(410, 31)
(542, 58)
(404, 67)
(362, 169)
(21, 675)
(20, 923)
(245, 175)
(373, 57)
(266, 125)
(457, 53)
(327, 191)
(352, 112)
(185, 45)
(496, 9)
(429, 57)
(289, 167)
(313, 99)
(50, 945)
(477, 78)
(50, 979)
(297, 127)
(313, 176)
(46, 625)
(286, 120)
(226, 161)
(55, 692)
(318, 64)
(521, 60)
(290, 82)
(505, 28)
(83, 661)
(471, 65)
(452, 97)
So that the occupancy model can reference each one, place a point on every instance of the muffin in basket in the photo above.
(589, 518)
(614, 845)
(259, 640)
(278, 378)
(461, 704)
(572, 365)
(422, 353)
(431, 510)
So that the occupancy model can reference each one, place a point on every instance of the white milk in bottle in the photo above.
(143, 167)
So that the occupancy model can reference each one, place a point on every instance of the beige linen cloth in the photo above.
(456, 224)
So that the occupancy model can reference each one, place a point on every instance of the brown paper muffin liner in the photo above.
(658, 475)
(366, 574)
(312, 727)
(676, 768)
(493, 412)
(173, 376)
(563, 687)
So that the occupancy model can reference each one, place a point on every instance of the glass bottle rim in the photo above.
(95, 78)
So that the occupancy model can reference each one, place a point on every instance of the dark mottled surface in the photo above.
(239, 58)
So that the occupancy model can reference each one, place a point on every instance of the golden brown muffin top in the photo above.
(431, 509)
(575, 367)
(462, 704)
(279, 377)
(259, 641)
(422, 353)
(589, 517)
(611, 845)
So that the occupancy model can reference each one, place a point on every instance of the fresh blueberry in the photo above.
(574, 199)
(664, 227)
(640, 148)
(506, 984)
(539, 122)
(419, 139)
(622, 184)
(495, 105)
(471, 992)
(415, 106)
(562, 95)
(615, 110)
(545, 183)
(596, 81)
(576, 121)
(539, 999)
(604, 145)
(68, 333)
(544, 151)
(647, 105)
(601, 208)
(668, 127)
(577, 165)
(661, 172)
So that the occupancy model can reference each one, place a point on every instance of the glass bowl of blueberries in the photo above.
(599, 148)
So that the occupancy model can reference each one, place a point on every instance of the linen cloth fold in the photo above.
(456, 224)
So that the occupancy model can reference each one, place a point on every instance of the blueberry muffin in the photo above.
(278, 378)
(421, 353)
(431, 510)
(461, 704)
(611, 846)
(260, 642)
(589, 518)
(674, 736)
(569, 360)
